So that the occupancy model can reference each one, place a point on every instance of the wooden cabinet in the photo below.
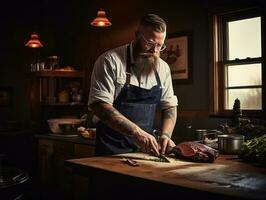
(55, 179)
(57, 94)
(46, 162)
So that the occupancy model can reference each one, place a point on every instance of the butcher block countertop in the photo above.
(226, 178)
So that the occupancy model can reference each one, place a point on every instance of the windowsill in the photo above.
(244, 115)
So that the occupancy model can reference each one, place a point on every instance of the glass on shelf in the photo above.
(38, 66)
(52, 63)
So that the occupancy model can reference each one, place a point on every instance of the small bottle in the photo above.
(32, 67)
(42, 66)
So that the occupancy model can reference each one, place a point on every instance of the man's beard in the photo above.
(146, 63)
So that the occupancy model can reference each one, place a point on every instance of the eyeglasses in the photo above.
(150, 45)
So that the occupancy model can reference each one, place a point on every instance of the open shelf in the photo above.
(56, 94)
(64, 104)
(58, 73)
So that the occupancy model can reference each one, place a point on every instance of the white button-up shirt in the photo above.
(109, 77)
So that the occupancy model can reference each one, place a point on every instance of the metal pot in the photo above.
(203, 133)
(230, 144)
(200, 133)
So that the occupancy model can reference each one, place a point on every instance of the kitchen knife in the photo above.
(160, 158)
(163, 158)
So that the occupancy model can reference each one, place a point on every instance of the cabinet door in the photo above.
(46, 162)
(63, 151)
(57, 181)
(81, 184)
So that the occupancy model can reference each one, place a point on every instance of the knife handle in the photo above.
(130, 162)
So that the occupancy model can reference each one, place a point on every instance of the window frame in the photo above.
(218, 59)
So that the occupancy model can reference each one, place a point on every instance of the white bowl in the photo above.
(54, 124)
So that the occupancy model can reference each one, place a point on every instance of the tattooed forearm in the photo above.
(112, 118)
(168, 120)
(169, 114)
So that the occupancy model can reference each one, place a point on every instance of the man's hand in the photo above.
(146, 142)
(114, 119)
(166, 144)
(168, 123)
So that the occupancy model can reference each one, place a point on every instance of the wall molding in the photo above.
(192, 113)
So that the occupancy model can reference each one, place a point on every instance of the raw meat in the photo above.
(195, 152)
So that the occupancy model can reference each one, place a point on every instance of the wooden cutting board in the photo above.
(174, 166)
(141, 156)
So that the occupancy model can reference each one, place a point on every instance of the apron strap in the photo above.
(128, 72)
(157, 78)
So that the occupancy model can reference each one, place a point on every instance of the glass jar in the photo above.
(53, 62)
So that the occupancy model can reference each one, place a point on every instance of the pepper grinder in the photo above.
(237, 113)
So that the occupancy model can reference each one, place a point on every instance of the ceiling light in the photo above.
(34, 41)
(101, 20)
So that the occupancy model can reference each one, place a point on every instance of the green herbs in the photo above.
(157, 160)
(254, 150)
(161, 158)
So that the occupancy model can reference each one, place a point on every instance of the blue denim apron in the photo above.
(139, 106)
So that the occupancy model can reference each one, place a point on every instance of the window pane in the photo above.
(250, 98)
(244, 38)
(244, 75)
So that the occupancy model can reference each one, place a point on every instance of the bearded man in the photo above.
(128, 85)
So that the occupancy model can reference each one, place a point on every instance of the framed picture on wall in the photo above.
(178, 55)
(5, 96)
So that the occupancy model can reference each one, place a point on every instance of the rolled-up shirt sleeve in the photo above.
(102, 81)
(168, 98)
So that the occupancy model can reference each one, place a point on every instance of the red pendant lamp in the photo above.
(34, 41)
(101, 20)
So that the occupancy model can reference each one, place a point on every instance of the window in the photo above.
(237, 64)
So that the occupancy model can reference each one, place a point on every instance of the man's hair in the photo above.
(154, 21)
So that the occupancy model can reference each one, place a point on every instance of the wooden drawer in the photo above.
(63, 148)
(45, 146)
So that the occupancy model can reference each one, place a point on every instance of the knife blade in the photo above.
(163, 158)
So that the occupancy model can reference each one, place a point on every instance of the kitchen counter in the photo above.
(226, 178)
(74, 139)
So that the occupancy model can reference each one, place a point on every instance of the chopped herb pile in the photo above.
(254, 150)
